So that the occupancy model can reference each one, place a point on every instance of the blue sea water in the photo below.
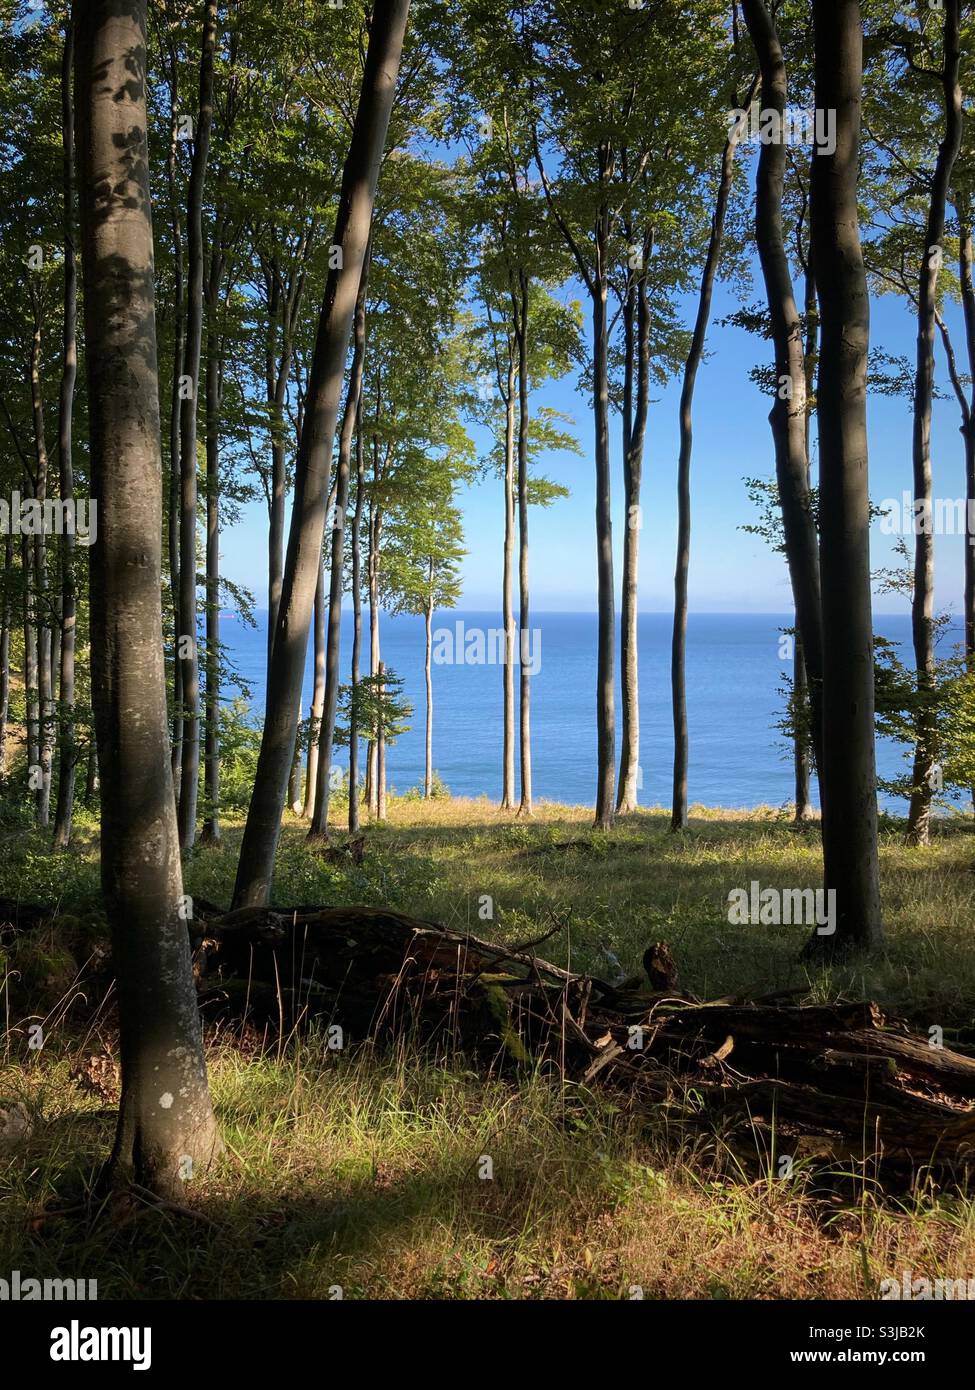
(735, 677)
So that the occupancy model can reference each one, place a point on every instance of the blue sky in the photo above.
(730, 570)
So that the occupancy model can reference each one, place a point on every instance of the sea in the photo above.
(736, 681)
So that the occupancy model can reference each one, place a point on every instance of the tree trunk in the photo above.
(507, 609)
(166, 1129)
(360, 478)
(214, 393)
(800, 750)
(372, 570)
(187, 636)
(67, 753)
(678, 816)
(524, 617)
(605, 698)
(5, 613)
(428, 678)
(381, 751)
(30, 663)
(629, 778)
(788, 414)
(965, 260)
(922, 605)
(333, 642)
(848, 778)
(42, 630)
(175, 472)
(352, 227)
(317, 698)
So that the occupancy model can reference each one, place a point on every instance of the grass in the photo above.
(365, 1172)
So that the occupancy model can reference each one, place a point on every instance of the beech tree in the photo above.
(166, 1130)
(360, 176)
(848, 771)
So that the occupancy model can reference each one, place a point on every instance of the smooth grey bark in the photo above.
(428, 682)
(189, 406)
(360, 479)
(848, 770)
(323, 786)
(788, 414)
(30, 655)
(381, 749)
(214, 397)
(67, 752)
(678, 648)
(166, 1128)
(520, 315)
(284, 297)
(353, 222)
(596, 280)
(507, 607)
(634, 429)
(606, 656)
(801, 760)
(965, 261)
(38, 548)
(317, 698)
(179, 316)
(922, 603)
(5, 616)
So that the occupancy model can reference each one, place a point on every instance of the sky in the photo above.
(731, 571)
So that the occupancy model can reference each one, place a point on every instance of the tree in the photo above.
(67, 755)
(922, 610)
(360, 176)
(166, 1130)
(695, 352)
(788, 415)
(848, 770)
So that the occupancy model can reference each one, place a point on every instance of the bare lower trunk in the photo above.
(847, 772)
(187, 637)
(166, 1128)
(428, 680)
(211, 772)
(317, 699)
(788, 414)
(360, 476)
(678, 817)
(175, 472)
(922, 605)
(605, 701)
(352, 227)
(507, 609)
(42, 631)
(629, 778)
(524, 616)
(67, 753)
(30, 666)
(965, 260)
(381, 753)
(333, 643)
(5, 616)
(800, 754)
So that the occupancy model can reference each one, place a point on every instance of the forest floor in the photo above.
(363, 1172)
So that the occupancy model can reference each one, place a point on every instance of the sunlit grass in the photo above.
(361, 1172)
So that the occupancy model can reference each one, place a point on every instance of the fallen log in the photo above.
(845, 1076)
